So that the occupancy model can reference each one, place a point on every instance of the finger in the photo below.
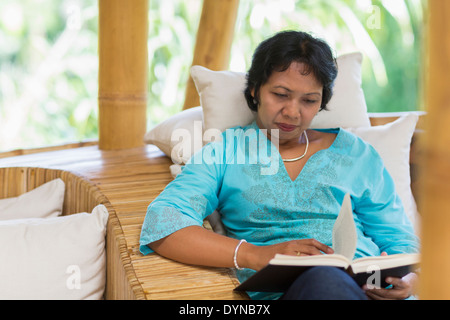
(320, 246)
(388, 294)
(394, 293)
(375, 295)
(310, 250)
(379, 293)
(398, 283)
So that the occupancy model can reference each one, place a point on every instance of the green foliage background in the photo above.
(49, 63)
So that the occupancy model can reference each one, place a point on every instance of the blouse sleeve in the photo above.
(382, 215)
(187, 200)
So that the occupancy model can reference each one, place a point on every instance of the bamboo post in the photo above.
(213, 43)
(435, 206)
(123, 68)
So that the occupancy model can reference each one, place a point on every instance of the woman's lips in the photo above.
(286, 127)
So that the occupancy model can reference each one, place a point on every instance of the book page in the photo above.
(335, 260)
(344, 231)
(385, 262)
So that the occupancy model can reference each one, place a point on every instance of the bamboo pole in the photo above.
(213, 43)
(435, 207)
(123, 65)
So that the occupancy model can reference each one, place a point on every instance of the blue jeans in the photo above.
(324, 283)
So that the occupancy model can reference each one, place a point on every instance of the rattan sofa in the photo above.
(80, 196)
(126, 181)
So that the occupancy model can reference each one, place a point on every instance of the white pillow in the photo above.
(347, 107)
(43, 202)
(54, 258)
(393, 141)
(185, 126)
(224, 105)
(222, 98)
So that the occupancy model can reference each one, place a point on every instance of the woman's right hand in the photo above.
(256, 257)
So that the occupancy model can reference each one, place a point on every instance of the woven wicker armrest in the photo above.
(125, 182)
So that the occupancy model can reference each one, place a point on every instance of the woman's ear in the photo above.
(252, 92)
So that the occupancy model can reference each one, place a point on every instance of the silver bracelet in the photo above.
(235, 254)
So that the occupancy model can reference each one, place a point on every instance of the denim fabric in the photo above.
(324, 283)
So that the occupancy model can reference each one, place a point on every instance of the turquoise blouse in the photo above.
(244, 178)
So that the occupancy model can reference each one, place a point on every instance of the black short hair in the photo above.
(278, 52)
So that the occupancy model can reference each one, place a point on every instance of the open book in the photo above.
(282, 270)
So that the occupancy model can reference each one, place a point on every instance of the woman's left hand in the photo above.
(401, 288)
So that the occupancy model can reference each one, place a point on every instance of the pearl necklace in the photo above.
(304, 154)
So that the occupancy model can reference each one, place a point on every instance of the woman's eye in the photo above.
(280, 95)
(308, 101)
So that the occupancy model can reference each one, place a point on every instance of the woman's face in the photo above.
(288, 101)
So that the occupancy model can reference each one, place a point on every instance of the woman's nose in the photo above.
(291, 110)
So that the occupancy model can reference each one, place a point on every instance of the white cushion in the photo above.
(222, 98)
(347, 107)
(393, 142)
(54, 258)
(43, 202)
(176, 135)
(224, 105)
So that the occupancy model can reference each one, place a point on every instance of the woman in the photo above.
(290, 210)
